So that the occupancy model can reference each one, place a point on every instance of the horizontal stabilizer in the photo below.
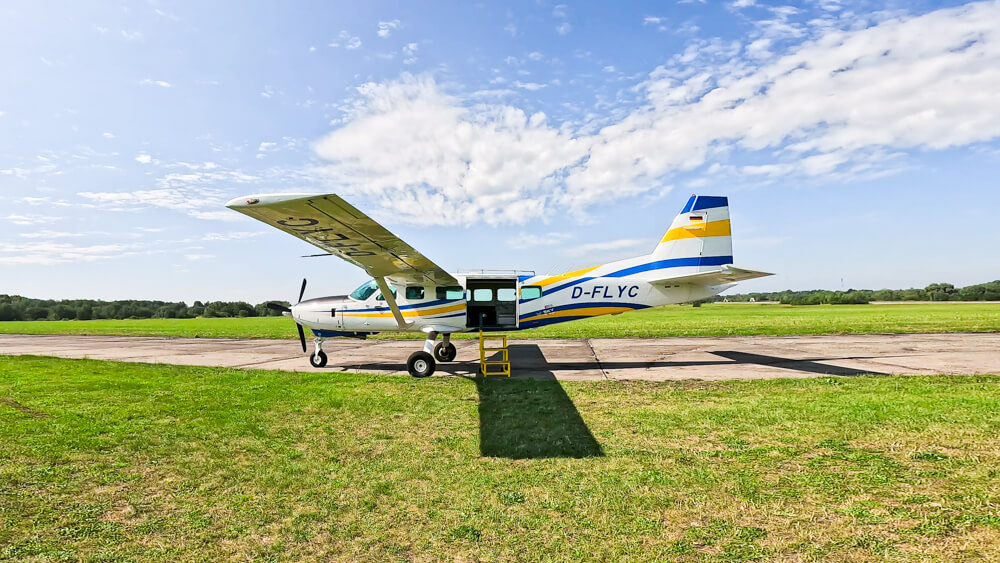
(725, 274)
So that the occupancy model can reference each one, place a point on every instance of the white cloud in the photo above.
(511, 29)
(659, 23)
(30, 219)
(609, 68)
(108, 135)
(347, 41)
(607, 247)
(232, 235)
(560, 10)
(47, 252)
(522, 241)
(838, 97)
(423, 156)
(410, 53)
(49, 235)
(564, 28)
(385, 29)
(535, 56)
(265, 147)
(201, 194)
(151, 82)
(144, 158)
(167, 15)
(132, 35)
(529, 85)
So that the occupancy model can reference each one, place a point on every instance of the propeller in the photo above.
(302, 336)
(279, 307)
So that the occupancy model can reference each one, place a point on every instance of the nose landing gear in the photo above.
(318, 358)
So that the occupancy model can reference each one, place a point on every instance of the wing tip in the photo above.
(265, 199)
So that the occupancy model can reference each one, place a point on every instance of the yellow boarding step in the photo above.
(503, 363)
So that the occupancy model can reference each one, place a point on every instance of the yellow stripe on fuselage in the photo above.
(567, 275)
(423, 313)
(700, 230)
(581, 312)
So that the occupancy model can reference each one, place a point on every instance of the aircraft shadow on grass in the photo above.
(532, 417)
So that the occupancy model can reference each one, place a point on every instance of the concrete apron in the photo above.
(651, 359)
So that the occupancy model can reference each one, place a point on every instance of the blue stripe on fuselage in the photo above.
(565, 285)
(657, 265)
(583, 306)
(672, 263)
(403, 307)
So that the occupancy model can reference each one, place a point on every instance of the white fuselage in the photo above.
(566, 297)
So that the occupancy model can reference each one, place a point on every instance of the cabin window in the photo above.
(414, 292)
(450, 292)
(364, 291)
(381, 297)
(482, 294)
(506, 294)
(530, 292)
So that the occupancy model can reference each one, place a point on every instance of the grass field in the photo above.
(678, 320)
(104, 461)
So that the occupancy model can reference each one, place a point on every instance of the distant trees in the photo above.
(18, 308)
(934, 292)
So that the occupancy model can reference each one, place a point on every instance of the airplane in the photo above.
(410, 293)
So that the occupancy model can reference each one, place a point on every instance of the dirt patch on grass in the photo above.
(23, 408)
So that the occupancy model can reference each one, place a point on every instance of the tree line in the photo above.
(17, 308)
(989, 291)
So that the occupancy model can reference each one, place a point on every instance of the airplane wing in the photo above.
(337, 227)
(726, 274)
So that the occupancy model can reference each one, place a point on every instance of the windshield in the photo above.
(365, 291)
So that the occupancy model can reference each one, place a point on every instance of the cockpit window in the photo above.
(364, 291)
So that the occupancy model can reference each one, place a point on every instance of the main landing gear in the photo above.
(422, 363)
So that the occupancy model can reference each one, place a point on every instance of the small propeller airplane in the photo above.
(409, 293)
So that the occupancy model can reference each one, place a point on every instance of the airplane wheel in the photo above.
(318, 360)
(444, 353)
(420, 364)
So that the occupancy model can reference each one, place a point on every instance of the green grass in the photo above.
(677, 320)
(104, 461)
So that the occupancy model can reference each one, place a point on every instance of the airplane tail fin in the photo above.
(699, 234)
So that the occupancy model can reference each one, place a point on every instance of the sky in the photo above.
(857, 141)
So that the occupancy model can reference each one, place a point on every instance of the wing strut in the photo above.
(387, 294)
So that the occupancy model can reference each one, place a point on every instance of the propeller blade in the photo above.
(277, 307)
(302, 336)
(303, 290)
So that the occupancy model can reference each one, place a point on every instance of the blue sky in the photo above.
(857, 141)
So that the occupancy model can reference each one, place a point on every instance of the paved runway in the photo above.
(654, 359)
